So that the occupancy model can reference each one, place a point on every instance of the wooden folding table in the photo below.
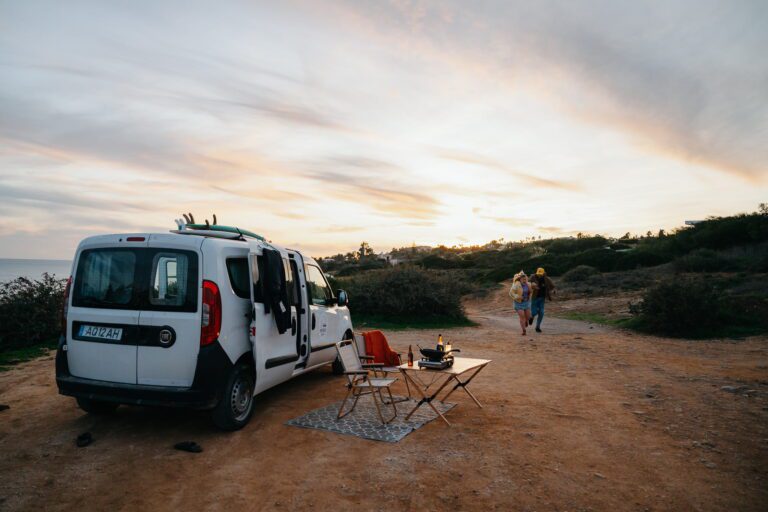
(439, 379)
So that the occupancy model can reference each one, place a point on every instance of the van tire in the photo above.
(336, 367)
(235, 407)
(96, 406)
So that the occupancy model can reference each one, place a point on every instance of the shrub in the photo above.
(580, 273)
(700, 260)
(30, 311)
(683, 308)
(405, 292)
(438, 262)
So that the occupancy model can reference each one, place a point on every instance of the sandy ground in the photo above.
(580, 417)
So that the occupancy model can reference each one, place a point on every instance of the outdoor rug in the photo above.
(364, 421)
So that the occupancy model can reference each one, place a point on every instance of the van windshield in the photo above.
(106, 278)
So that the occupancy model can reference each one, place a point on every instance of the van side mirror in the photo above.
(343, 298)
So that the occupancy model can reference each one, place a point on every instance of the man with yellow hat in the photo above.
(543, 287)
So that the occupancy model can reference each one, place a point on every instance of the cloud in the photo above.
(687, 80)
(48, 199)
(510, 221)
(263, 194)
(554, 230)
(474, 159)
(373, 182)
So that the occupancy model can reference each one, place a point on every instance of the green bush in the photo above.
(683, 308)
(580, 273)
(405, 292)
(701, 260)
(699, 308)
(30, 311)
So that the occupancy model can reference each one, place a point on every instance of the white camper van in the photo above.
(204, 317)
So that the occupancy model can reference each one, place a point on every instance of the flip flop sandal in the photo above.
(84, 439)
(188, 446)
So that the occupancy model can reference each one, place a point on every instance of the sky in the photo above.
(322, 124)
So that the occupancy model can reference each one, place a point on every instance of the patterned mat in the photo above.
(364, 421)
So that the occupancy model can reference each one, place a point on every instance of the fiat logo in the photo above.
(166, 337)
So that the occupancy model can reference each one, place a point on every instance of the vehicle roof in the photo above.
(192, 240)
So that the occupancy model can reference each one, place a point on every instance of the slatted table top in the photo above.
(460, 365)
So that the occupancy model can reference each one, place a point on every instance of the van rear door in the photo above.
(169, 324)
(102, 322)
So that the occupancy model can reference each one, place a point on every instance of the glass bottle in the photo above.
(410, 356)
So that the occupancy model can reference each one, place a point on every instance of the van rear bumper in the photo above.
(134, 394)
(213, 370)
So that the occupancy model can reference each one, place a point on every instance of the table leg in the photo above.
(424, 398)
(463, 385)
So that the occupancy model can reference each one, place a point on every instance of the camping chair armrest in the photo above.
(374, 365)
(367, 358)
(357, 372)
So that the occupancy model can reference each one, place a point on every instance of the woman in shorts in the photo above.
(521, 295)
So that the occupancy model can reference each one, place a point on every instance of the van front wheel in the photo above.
(336, 367)
(235, 408)
(96, 406)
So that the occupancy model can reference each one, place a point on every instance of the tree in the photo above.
(365, 251)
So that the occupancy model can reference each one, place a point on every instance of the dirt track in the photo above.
(576, 418)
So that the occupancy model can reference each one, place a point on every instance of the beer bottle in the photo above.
(440, 342)
(410, 356)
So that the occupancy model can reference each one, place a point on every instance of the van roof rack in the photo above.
(226, 229)
(215, 229)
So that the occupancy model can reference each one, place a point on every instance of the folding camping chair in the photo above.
(360, 383)
(376, 344)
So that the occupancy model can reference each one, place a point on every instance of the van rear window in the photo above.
(137, 279)
(170, 283)
(106, 278)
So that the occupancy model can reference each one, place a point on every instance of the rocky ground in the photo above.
(580, 417)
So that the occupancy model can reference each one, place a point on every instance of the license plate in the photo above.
(100, 332)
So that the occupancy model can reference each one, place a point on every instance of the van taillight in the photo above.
(211, 321)
(65, 307)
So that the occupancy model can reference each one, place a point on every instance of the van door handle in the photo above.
(293, 326)
(313, 321)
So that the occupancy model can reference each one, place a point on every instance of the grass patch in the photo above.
(596, 318)
(398, 323)
(21, 355)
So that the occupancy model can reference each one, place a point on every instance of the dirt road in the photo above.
(576, 418)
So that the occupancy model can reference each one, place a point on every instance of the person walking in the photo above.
(521, 295)
(543, 287)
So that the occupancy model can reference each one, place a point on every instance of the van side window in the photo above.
(319, 290)
(239, 277)
(105, 278)
(169, 279)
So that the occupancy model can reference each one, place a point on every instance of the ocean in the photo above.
(33, 269)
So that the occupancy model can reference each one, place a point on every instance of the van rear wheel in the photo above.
(235, 408)
(96, 406)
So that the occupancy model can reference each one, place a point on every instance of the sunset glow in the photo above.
(321, 124)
